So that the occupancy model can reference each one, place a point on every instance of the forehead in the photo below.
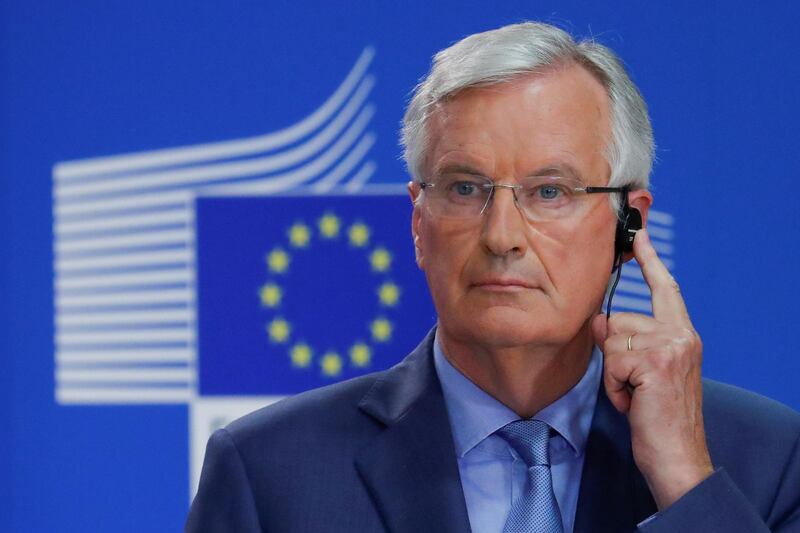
(558, 116)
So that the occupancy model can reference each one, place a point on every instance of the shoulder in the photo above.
(270, 461)
(326, 413)
(732, 409)
(343, 414)
(755, 439)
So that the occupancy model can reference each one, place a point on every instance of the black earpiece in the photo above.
(629, 221)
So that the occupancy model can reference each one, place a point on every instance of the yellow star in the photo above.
(299, 235)
(331, 364)
(381, 329)
(380, 259)
(388, 294)
(301, 355)
(278, 261)
(270, 295)
(359, 234)
(279, 330)
(329, 225)
(360, 354)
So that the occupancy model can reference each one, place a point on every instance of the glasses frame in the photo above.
(492, 185)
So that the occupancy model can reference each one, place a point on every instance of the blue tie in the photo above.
(536, 511)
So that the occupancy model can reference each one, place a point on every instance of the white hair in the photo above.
(503, 54)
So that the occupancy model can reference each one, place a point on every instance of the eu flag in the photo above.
(299, 292)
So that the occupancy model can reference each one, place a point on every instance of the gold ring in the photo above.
(630, 338)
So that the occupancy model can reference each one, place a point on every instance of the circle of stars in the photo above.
(271, 295)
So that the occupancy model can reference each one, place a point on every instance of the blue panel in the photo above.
(323, 293)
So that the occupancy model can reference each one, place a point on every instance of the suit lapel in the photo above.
(613, 495)
(410, 468)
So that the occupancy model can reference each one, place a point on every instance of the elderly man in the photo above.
(526, 408)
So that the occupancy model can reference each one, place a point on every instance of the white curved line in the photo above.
(112, 206)
(345, 166)
(633, 287)
(364, 174)
(660, 233)
(106, 318)
(141, 335)
(660, 217)
(153, 355)
(83, 264)
(171, 217)
(383, 189)
(75, 303)
(199, 176)
(304, 174)
(141, 239)
(126, 376)
(178, 275)
(218, 150)
(130, 395)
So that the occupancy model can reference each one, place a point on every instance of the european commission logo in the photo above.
(283, 331)
(226, 276)
(299, 292)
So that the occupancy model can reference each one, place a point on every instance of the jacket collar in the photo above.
(410, 468)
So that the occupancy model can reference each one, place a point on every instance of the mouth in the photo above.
(504, 285)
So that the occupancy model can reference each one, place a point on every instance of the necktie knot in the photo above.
(530, 439)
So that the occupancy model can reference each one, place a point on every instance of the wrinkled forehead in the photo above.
(559, 116)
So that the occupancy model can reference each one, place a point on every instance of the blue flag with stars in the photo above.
(299, 292)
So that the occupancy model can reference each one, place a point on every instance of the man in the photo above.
(525, 409)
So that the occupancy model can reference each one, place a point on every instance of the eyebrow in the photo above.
(564, 170)
(459, 168)
(561, 169)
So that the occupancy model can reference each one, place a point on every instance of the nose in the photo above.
(504, 228)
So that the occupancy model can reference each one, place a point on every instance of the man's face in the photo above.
(499, 280)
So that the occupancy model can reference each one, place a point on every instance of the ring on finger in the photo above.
(630, 343)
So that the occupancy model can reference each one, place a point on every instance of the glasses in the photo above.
(540, 198)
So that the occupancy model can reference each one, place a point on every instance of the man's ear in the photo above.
(414, 191)
(640, 199)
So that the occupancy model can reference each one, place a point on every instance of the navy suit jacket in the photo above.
(376, 454)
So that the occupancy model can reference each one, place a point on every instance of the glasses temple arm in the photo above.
(592, 190)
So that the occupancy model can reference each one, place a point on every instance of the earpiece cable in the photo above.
(618, 262)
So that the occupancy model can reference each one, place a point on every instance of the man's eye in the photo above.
(549, 192)
(464, 188)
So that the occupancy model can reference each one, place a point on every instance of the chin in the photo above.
(505, 327)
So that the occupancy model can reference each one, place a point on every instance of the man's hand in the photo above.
(652, 373)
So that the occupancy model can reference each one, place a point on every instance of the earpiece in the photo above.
(629, 221)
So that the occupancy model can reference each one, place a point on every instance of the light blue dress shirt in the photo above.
(492, 474)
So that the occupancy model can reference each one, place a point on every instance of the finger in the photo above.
(668, 305)
(616, 375)
(622, 373)
(600, 330)
(632, 323)
(638, 341)
(620, 397)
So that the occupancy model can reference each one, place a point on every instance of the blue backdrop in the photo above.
(87, 79)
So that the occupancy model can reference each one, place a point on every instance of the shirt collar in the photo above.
(476, 415)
